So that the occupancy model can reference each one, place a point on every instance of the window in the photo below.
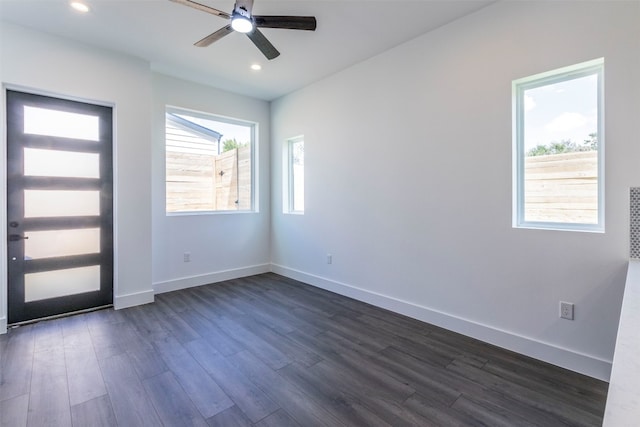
(295, 171)
(209, 163)
(558, 149)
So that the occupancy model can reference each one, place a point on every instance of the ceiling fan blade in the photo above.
(263, 44)
(203, 8)
(214, 37)
(286, 22)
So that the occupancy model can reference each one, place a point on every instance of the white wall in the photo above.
(50, 65)
(408, 182)
(222, 246)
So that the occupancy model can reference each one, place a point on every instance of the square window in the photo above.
(209, 163)
(559, 149)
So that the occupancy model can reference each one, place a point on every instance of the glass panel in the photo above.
(55, 243)
(59, 283)
(297, 176)
(208, 163)
(561, 151)
(61, 163)
(52, 203)
(42, 121)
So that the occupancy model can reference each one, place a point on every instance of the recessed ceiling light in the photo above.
(79, 6)
(256, 67)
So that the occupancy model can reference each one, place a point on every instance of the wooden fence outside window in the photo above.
(562, 188)
(201, 182)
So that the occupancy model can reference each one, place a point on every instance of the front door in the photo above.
(59, 206)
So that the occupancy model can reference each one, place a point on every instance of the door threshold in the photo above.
(57, 316)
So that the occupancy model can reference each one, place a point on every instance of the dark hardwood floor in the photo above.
(269, 351)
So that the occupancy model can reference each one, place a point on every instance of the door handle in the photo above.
(16, 237)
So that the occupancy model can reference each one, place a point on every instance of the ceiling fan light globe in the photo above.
(241, 24)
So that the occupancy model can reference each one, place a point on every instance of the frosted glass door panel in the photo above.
(56, 163)
(43, 121)
(60, 283)
(54, 203)
(56, 243)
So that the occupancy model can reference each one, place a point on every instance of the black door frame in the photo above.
(17, 225)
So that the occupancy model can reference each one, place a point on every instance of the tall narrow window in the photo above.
(295, 156)
(209, 163)
(558, 149)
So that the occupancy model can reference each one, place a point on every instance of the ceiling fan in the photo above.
(243, 21)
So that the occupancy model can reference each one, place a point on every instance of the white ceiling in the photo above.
(163, 32)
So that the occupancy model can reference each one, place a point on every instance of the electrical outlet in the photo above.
(329, 258)
(566, 310)
(186, 257)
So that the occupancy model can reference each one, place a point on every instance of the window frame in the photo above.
(290, 181)
(519, 87)
(253, 126)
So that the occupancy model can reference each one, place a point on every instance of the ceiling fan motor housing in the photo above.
(240, 11)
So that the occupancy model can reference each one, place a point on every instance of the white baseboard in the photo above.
(205, 279)
(3, 325)
(565, 358)
(131, 300)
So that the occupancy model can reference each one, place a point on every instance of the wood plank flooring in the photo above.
(269, 351)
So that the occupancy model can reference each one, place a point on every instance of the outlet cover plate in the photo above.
(566, 310)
